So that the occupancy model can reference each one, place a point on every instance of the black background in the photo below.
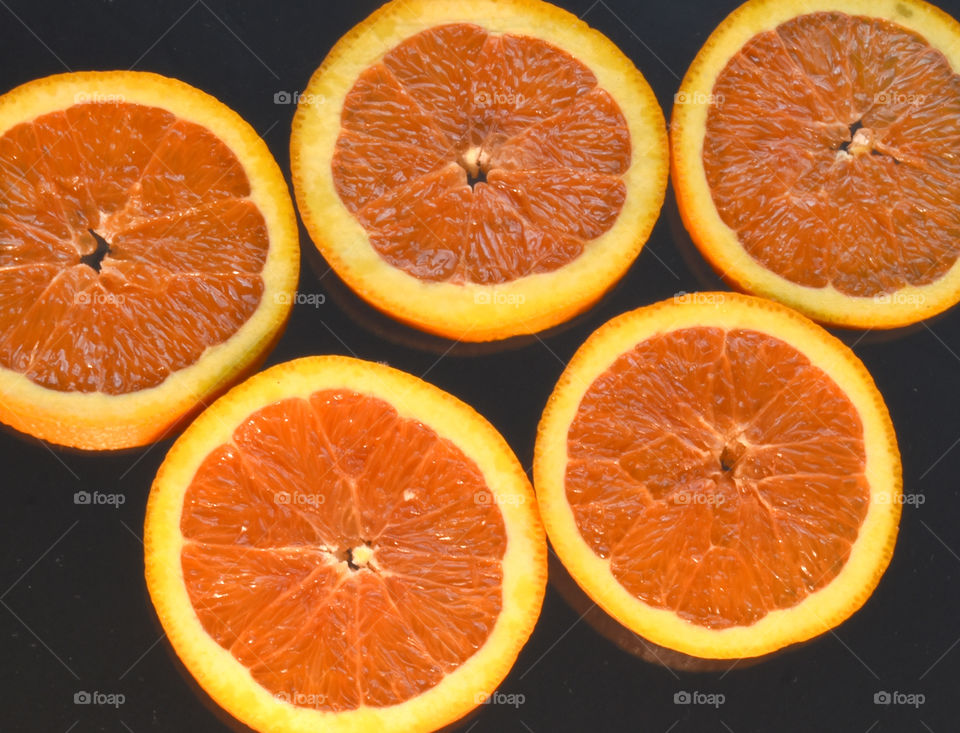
(74, 614)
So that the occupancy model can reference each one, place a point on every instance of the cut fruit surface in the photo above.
(148, 252)
(478, 170)
(720, 475)
(814, 154)
(335, 545)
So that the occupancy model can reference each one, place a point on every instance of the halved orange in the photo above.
(720, 475)
(815, 153)
(478, 169)
(148, 255)
(335, 545)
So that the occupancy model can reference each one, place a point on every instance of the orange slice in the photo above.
(720, 475)
(335, 545)
(815, 157)
(478, 170)
(148, 254)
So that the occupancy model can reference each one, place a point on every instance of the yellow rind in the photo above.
(99, 421)
(524, 563)
(474, 312)
(819, 611)
(717, 241)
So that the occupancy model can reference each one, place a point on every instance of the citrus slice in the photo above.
(815, 157)
(148, 255)
(335, 545)
(720, 475)
(478, 170)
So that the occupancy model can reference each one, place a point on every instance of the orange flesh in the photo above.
(719, 472)
(456, 102)
(186, 247)
(831, 150)
(286, 585)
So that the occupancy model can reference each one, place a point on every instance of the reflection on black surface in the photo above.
(630, 642)
(709, 280)
(383, 326)
(225, 719)
(853, 337)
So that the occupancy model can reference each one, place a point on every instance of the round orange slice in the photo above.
(478, 170)
(336, 545)
(720, 475)
(148, 255)
(815, 157)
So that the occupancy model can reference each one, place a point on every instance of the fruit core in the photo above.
(719, 472)
(829, 151)
(477, 157)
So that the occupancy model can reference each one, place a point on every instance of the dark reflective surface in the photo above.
(74, 615)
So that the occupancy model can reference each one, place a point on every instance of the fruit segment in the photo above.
(346, 555)
(830, 149)
(128, 246)
(720, 473)
(445, 146)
